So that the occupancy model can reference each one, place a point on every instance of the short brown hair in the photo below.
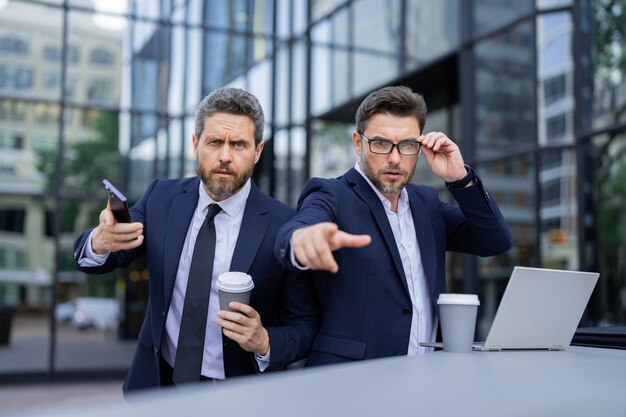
(233, 101)
(396, 100)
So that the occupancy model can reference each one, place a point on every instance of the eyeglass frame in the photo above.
(393, 145)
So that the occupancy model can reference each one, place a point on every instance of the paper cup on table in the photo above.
(457, 315)
(234, 286)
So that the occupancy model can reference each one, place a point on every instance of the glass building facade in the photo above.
(533, 91)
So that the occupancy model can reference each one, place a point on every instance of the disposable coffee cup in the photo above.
(457, 317)
(234, 286)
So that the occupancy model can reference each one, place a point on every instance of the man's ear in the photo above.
(258, 151)
(356, 140)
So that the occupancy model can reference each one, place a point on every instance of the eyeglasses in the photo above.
(382, 146)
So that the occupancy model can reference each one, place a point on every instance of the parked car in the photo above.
(86, 312)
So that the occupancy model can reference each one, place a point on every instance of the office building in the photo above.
(533, 91)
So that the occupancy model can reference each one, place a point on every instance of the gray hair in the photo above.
(398, 101)
(233, 101)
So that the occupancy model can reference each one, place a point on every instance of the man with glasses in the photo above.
(377, 243)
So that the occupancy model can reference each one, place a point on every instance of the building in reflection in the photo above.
(533, 91)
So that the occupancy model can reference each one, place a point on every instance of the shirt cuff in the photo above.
(88, 257)
(292, 257)
(263, 361)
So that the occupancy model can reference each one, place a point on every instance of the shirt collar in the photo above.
(232, 206)
(403, 202)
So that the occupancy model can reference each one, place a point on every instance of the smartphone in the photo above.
(118, 203)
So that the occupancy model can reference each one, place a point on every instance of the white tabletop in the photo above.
(577, 382)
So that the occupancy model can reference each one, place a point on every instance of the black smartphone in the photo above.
(118, 203)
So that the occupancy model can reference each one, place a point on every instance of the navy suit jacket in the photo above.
(366, 307)
(284, 299)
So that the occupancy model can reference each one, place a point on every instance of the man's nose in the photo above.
(394, 156)
(224, 152)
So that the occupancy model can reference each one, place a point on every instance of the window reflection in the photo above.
(492, 14)
(558, 210)
(555, 72)
(504, 99)
(608, 157)
(511, 183)
(609, 78)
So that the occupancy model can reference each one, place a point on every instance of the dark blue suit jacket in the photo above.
(284, 300)
(365, 307)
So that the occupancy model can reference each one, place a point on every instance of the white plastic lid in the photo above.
(465, 299)
(234, 282)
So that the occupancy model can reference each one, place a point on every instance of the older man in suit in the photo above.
(377, 243)
(194, 229)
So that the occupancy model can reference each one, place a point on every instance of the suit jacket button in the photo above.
(406, 311)
(156, 351)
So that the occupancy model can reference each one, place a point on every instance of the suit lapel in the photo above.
(253, 227)
(365, 192)
(178, 221)
(425, 239)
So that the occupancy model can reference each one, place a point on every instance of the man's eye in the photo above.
(381, 143)
(239, 145)
(215, 142)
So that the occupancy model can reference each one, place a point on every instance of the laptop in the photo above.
(540, 309)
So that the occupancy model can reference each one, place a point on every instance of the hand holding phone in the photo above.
(119, 206)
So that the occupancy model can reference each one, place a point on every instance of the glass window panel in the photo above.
(377, 25)
(25, 282)
(320, 8)
(190, 165)
(321, 68)
(297, 177)
(298, 88)
(147, 8)
(195, 72)
(322, 32)
(261, 48)
(227, 14)
(30, 51)
(609, 80)
(262, 16)
(340, 28)
(176, 143)
(88, 311)
(92, 151)
(150, 63)
(283, 13)
(260, 84)
(511, 183)
(28, 152)
(177, 75)
(224, 58)
(282, 86)
(544, 4)
(493, 14)
(373, 70)
(442, 22)
(558, 210)
(555, 72)
(142, 154)
(299, 17)
(332, 152)
(504, 109)
(341, 76)
(607, 154)
(281, 167)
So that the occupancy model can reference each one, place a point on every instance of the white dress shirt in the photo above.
(423, 323)
(227, 225)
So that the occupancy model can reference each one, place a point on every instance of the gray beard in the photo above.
(380, 186)
(222, 188)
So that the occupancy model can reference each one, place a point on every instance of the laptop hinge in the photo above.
(557, 347)
(495, 348)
